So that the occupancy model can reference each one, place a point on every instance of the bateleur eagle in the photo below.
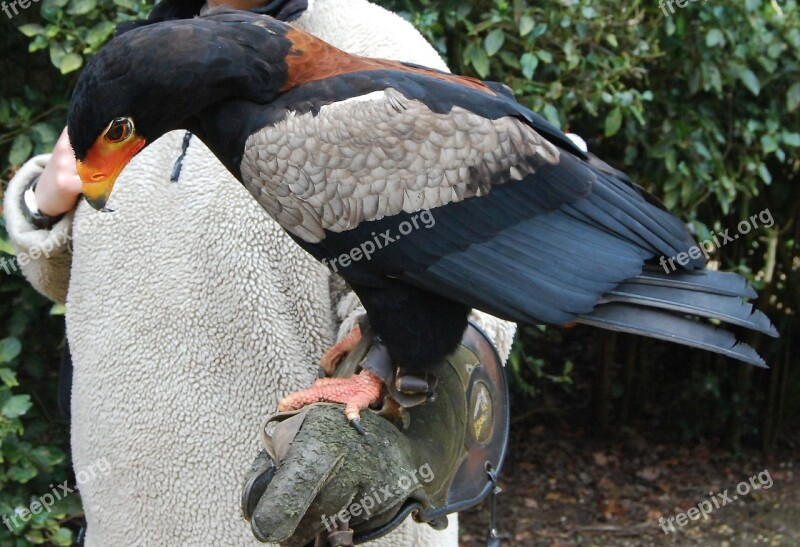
(430, 193)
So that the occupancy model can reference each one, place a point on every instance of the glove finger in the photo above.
(327, 471)
(258, 478)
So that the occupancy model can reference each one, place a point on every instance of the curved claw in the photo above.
(356, 423)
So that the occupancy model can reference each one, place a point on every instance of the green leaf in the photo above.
(36, 537)
(70, 62)
(44, 134)
(53, 10)
(670, 26)
(39, 43)
(45, 457)
(62, 537)
(776, 49)
(525, 25)
(529, 62)
(539, 30)
(768, 144)
(99, 33)
(129, 4)
(551, 114)
(9, 348)
(31, 29)
(16, 406)
(714, 37)
(494, 41)
(545, 56)
(21, 474)
(702, 149)
(793, 97)
(715, 78)
(764, 173)
(613, 122)
(8, 377)
(750, 80)
(20, 150)
(791, 139)
(81, 7)
(476, 56)
(793, 37)
(680, 24)
(7, 248)
(57, 53)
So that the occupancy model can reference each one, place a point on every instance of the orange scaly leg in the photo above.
(333, 356)
(357, 393)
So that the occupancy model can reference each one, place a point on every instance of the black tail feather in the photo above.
(730, 309)
(725, 283)
(655, 304)
(671, 327)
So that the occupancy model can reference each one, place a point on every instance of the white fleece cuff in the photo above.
(348, 310)
(499, 331)
(28, 240)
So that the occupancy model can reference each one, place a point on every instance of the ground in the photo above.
(565, 486)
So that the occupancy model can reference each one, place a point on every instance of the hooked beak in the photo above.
(102, 165)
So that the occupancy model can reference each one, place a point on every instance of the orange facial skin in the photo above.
(103, 164)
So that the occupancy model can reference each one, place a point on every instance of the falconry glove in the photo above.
(318, 478)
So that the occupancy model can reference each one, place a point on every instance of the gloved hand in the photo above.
(318, 475)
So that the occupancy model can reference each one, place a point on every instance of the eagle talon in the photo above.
(356, 392)
(356, 423)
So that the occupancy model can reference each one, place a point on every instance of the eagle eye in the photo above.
(120, 129)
